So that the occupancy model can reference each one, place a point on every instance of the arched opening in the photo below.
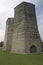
(33, 49)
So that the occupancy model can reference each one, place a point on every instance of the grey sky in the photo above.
(7, 10)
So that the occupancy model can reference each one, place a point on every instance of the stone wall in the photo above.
(8, 34)
(26, 31)
(22, 34)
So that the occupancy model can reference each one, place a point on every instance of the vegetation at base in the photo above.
(7, 58)
(1, 44)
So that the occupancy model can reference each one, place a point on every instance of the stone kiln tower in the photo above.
(22, 34)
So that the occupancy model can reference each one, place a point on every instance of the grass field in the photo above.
(7, 58)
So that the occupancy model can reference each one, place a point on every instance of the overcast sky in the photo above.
(7, 10)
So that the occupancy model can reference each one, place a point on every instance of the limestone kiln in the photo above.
(22, 34)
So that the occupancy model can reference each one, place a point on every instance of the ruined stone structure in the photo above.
(22, 34)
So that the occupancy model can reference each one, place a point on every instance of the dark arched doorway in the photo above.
(33, 49)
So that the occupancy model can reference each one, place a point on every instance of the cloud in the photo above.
(40, 25)
(33, 1)
(2, 32)
(2, 7)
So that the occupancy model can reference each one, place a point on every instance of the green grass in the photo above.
(7, 58)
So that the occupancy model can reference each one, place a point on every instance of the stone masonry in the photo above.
(22, 34)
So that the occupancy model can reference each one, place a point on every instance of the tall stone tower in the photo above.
(24, 36)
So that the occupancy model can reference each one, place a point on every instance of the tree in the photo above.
(1, 44)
